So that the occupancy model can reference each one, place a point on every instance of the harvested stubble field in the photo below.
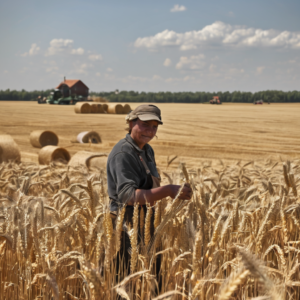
(238, 238)
(192, 131)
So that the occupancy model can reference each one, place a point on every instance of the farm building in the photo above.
(73, 87)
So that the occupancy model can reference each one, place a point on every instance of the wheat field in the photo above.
(237, 238)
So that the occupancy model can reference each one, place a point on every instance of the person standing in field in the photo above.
(132, 176)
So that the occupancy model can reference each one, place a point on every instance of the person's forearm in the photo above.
(144, 196)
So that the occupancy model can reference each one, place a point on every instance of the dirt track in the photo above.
(191, 131)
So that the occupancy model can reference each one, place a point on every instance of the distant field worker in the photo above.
(132, 176)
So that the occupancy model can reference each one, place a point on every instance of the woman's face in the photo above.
(143, 132)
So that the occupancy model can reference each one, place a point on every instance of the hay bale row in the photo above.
(82, 108)
(87, 108)
(103, 108)
(118, 108)
(126, 109)
(115, 109)
(100, 108)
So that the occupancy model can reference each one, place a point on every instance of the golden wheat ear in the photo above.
(176, 207)
(232, 284)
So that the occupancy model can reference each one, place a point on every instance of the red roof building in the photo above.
(73, 87)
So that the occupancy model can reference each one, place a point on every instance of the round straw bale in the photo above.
(105, 107)
(100, 109)
(89, 136)
(41, 138)
(126, 109)
(53, 153)
(9, 149)
(82, 108)
(88, 159)
(115, 109)
(94, 108)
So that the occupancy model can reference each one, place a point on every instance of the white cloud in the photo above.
(98, 74)
(95, 57)
(194, 62)
(32, 51)
(218, 34)
(82, 69)
(259, 70)
(60, 46)
(188, 47)
(167, 62)
(109, 69)
(178, 8)
(78, 51)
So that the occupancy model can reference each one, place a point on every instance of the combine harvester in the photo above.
(215, 100)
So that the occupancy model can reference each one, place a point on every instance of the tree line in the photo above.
(168, 97)
(201, 97)
(22, 95)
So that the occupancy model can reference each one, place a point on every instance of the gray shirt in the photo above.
(126, 172)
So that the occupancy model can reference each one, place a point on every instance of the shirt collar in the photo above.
(130, 140)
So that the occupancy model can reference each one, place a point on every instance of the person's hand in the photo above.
(186, 192)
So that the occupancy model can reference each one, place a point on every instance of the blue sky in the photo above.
(151, 45)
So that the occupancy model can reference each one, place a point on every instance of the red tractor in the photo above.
(259, 102)
(215, 100)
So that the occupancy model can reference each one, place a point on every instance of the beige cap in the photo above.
(145, 112)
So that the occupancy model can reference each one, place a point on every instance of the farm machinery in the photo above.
(215, 100)
(56, 97)
(260, 102)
